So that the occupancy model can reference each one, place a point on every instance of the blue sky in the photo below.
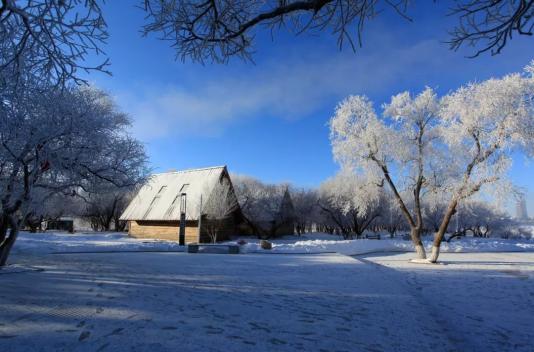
(268, 119)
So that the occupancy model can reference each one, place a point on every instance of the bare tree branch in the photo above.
(490, 24)
(50, 39)
(219, 29)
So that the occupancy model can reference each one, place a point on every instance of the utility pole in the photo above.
(200, 218)
(181, 237)
(458, 218)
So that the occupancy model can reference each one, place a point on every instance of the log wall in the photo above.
(163, 230)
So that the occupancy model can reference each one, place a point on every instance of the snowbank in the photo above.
(58, 242)
(354, 247)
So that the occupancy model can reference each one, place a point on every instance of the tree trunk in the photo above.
(438, 237)
(7, 244)
(415, 234)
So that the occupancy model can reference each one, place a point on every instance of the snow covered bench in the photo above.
(195, 248)
(373, 236)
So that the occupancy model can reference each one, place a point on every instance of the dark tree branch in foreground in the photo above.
(54, 40)
(490, 24)
(219, 29)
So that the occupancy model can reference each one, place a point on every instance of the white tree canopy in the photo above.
(349, 192)
(457, 145)
(60, 140)
(49, 39)
(397, 148)
(481, 125)
(350, 202)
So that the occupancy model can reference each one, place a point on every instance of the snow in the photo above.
(200, 183)
(483, 301)
(62, 242)
(130, 294)
(324, 243)
(58, 242)
(317, 302)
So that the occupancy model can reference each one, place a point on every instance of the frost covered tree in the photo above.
(59, 140)
(306, 208)
(481, 125)
(479, 219)
(51, 206)
(434, 206)
(458, 145)
(219, 208)
(266, 207)
(104, 204)
(396, 149)
(351, 202)
(50, 39)
(391, 219)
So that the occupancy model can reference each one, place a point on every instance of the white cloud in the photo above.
(288, 88)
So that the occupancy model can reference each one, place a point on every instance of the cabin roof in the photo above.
(159, 198)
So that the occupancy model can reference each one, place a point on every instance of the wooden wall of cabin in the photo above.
(163, 230)
(168, 230)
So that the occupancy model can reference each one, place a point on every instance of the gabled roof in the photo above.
(159, 198)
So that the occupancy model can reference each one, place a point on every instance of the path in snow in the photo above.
(482, 301)
(207, 302)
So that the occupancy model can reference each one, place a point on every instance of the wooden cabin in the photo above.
(159, 206)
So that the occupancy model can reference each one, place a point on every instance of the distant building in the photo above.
(521, 208)
(68, 223)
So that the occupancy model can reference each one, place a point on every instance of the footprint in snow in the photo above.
(115, 332)
(101, 348)
(84, 335)
(277, 341)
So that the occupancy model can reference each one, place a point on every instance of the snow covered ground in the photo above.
(319, 302)
(354, 247)
(482, 301)
(57, 242)
(62, 242)
(371, 301)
